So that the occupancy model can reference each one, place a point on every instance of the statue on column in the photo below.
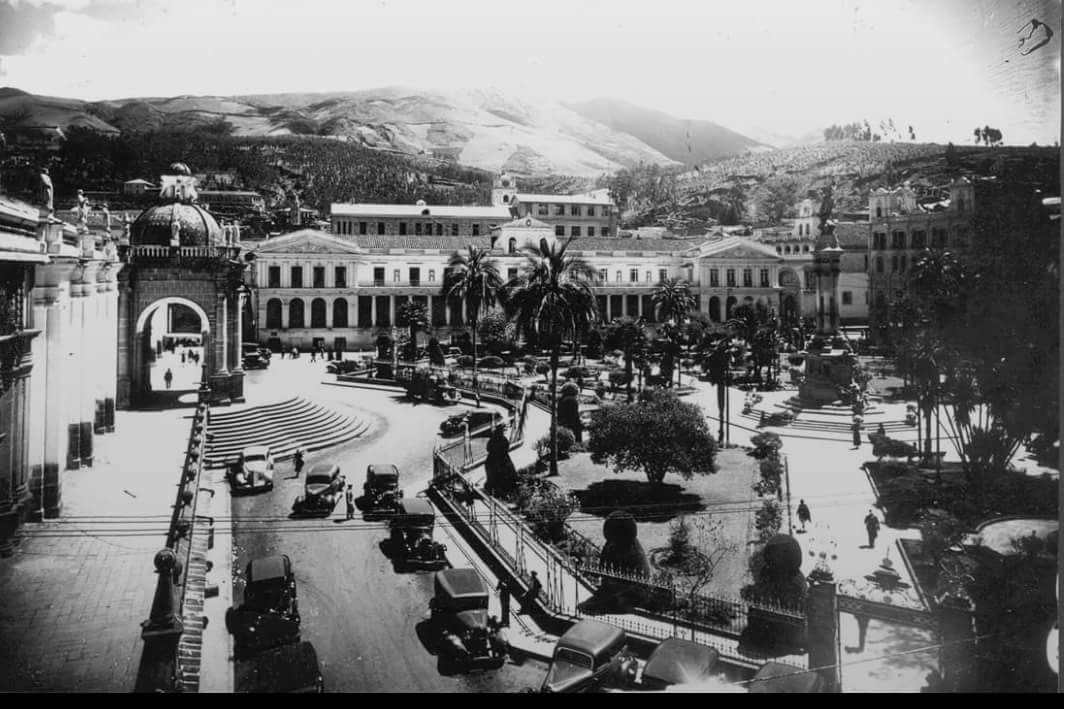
(46, 193)
(175, 233)
(826, 228)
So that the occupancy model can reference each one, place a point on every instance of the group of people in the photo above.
(872, 523)
(190, 356)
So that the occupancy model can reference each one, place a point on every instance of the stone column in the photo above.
(74, 360)
(822, 631)
(284, 314)
(236, 375)
(90, 361)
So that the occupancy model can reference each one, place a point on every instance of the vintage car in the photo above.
(289, 669)
(778, 678)
(429, 386)
(587, 656)
(269, 615)
(677, 661)
(252, 360)
(252, 472)
(459, 612)
(411, 536)
(381, 493)
(321, 491)
(456, 425)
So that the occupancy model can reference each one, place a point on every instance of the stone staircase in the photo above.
(284, 426)
(825, 418)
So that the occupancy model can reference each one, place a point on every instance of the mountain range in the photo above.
(486, 129)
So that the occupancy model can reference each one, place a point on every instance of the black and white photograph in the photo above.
(576, 346)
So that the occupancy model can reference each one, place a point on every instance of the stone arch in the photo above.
(715, 309)
(512, 245)
(141, 352)
(142, 319)
(730, 303)
(788, 278)
(788, 306)
(274, 309)
(318, 312)
(295, 314)
(340, 312)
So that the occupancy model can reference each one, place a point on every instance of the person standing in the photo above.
(349, 498)
(504, 603)
(856, 431)
(182, 356)
(872, 528)
(168, 378)
(803, 512)
(532, 594)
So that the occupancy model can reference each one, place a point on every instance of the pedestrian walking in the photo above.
(183, 356)
(880, 430)
(313, 353)
(803, 512)
(504, 603)
(872, 528)
(297, 461)
(856, 431)
(532, 594)
(168, 378)
(349, 498)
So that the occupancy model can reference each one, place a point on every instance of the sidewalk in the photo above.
(74, 594)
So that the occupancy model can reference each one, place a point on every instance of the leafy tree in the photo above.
(416, 318)
(658, 434)
(552, 297)
(781, 192)
(475, 280)
(497, 332)
(673, 300)
(435, 352)
(697, 546)
(630, 337)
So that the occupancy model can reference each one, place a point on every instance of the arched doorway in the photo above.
(715, 309)
(172, 335)
(730, 303)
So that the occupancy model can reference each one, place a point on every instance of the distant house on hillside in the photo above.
(136, 187)
(49, 138)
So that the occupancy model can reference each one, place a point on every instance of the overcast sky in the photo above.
(784, 66)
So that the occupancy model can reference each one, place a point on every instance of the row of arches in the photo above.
(297, 315)
(787, 249)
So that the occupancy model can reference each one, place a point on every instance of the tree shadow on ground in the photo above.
(646, 502)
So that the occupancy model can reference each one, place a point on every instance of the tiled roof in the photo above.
(563, 198)
(853, 235)
(342, 209)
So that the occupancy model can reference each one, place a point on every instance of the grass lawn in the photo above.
(726, 496)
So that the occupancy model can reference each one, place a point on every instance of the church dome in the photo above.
(198, 228)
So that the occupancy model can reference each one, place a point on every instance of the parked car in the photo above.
(587, 656)
(321, 491)
(459, 612)
(456, 425)
(269, 614)
(411, 536)
(431, 387)
(778, 678)
(254, 361)
(289, 669)
(381, 493)
(678, 661)
(252, 472)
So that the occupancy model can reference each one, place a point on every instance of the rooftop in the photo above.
(563, 198)
(345, 209)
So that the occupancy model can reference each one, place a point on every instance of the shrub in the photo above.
(619, 378)
(569, 389)
(600, 390)
(889, 469)
(465, 361)
(767, 520)
(772, 471)
(566, 439)
(547, 510)
(578, 373)
(542, 368)
(884, 446)
(766, 444)
(680, 543)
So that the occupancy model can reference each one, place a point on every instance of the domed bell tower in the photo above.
(181, 290)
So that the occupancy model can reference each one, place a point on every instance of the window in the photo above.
(617, 276)
(917, 240)
(295, 314)
(512, 245)
(663, 275)
(591, 231)
(879, 211)
(811, 280)
(541, 210)
(439, 229)
(429, 229)
(395, 275)
(894, 264)
(748, 278)
(476, 230)
(879, 264)
(778, 249)
(865, 266)
(512, 274)
(902, 263)
(317, 313)
(379, 276)
(898, 240)
(867, 297)
(362, 227)
(806, 248)
(380, 227)
(340, 312)
(575, 210)
(417, 228)
(714, 280)
(403, 228)
(273, 278)
(848, 297)
(634, 275)
(591, 211)
(730, 278)
(318, 277)
(273, 314)
(879, 240)
(340, 277)
(961, 203)
(415, 276)
(763, 278)
(602, 275)
(297, 277)
(604, 231)
(432, 275)
(787, 250)
(961, 237)
(560, 210)
(647, 276)
(560, 230)
(939, 238)
(575, 231)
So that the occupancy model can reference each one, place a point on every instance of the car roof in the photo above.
(256, 450)
(459, 583)
(774, 677)
(416, 506)
(284, 669)
(592, 637)
(269, 567)
(679, 661)
(382, 469)
(323, 469)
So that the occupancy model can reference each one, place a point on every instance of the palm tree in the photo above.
(416, 317)
(629, 336)
(474, 280)
(552, 297)
(747, 322)
(673, 301)
(716, 362)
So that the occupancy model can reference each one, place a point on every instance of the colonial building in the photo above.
(318, 289)
(57, 357)
(581, 215)
(414, 220)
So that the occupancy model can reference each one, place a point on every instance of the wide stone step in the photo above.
(284, 448)
(302, 420)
